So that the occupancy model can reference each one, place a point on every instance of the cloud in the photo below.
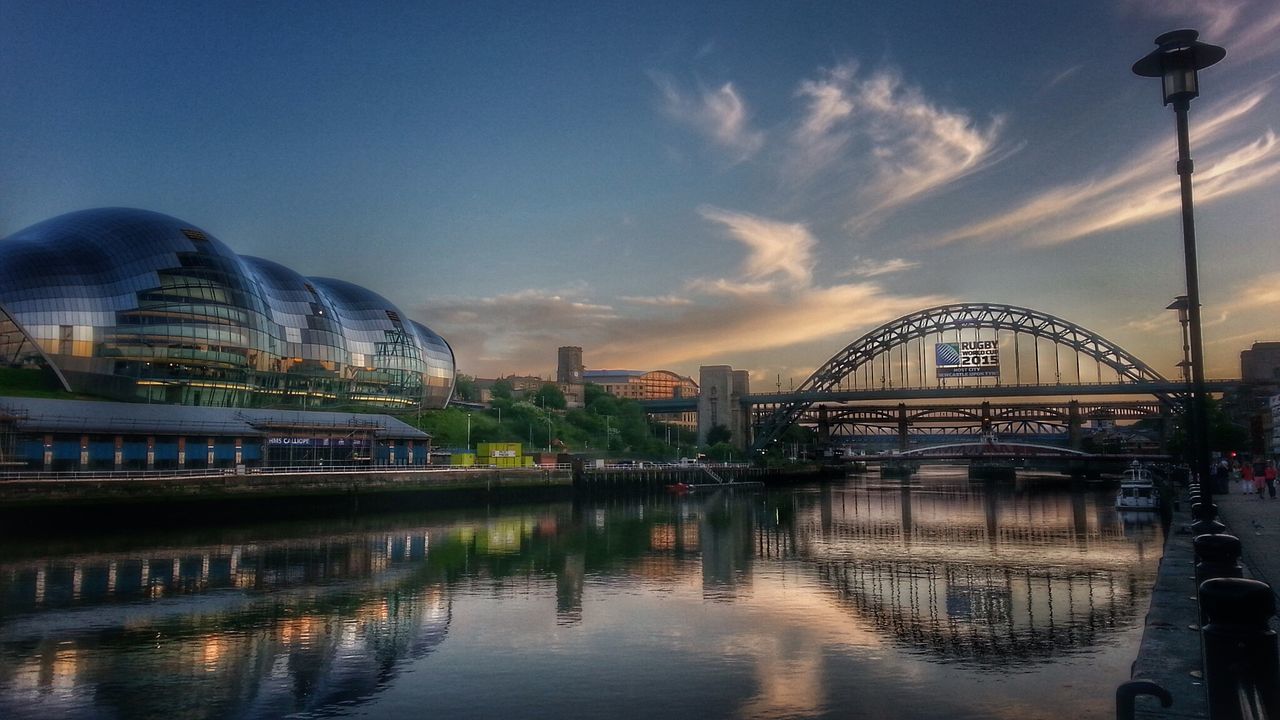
(774, 248)
(883, 138)
(656, 301)
(1251, 28)
(774, 304)
(1062, 76)
(516, 332)
(867, 267)
(1140, 190)
(719, 114)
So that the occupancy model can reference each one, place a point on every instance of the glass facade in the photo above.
(135, 304)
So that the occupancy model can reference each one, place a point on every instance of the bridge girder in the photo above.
(936, 320)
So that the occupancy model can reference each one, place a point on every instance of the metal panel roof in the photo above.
(85, 416)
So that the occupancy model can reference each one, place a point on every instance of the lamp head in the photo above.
(1176, 61)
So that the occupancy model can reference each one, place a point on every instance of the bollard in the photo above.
(1217, 556)
(1128, 692)
(1203, 511)
(1241, 660)
(1203, 514)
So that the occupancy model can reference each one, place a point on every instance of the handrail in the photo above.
(198, 473)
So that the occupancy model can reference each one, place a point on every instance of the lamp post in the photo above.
(1177, 59)
(468, 432)
(1184, 368)
(548, 434)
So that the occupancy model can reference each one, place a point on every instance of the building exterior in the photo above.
(569, 372)
(132, 304)
(650, 385)
(720, 403)
(1261, 363)
(80, 435)
(642, 385)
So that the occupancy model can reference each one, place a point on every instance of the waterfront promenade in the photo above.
(1257, 523)
(1171, 651)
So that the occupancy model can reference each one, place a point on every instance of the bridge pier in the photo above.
(902, 426)
(1074, 434)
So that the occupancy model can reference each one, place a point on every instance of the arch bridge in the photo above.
(1032, 371)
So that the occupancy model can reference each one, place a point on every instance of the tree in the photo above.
(464, 388)
(501, 389)
(722, 452)
(718, 434)
(550, 396)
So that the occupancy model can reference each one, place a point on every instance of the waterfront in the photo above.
(863, 598)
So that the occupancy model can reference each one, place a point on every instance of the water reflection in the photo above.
(273, 620)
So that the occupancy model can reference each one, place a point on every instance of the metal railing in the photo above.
(199, 473)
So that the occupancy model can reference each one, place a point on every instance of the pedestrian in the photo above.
(1259, 480)
(1246, 478)
(1269, 475)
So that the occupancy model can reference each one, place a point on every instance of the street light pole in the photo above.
(468, 432)
(1177, 60)
(1184, 368)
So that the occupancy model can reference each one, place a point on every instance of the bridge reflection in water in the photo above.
(971, 575)
(271, 620)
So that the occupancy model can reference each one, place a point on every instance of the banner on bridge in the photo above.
(976, 358)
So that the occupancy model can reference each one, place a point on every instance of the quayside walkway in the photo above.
(1171, 651)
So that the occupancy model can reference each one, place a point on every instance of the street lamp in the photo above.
(1177, 59)
(468, 432)
(548, 434)
(1184, 367)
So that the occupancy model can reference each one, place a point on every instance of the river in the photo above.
(939, 598)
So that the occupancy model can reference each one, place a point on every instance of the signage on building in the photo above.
(318, 442)
(974, 358)
(503, 453)
(1275, 423)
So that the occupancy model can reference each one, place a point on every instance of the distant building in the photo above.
(569, 368)
(521, 385)
(1261, 363)
(569, 372)
(643, 385)
(649, 385)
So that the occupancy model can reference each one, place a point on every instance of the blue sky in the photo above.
(672, 184)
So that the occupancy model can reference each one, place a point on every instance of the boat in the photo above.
(1138, 489)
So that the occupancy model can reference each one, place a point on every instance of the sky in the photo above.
(669, 185)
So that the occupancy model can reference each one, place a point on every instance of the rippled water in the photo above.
(942, 599)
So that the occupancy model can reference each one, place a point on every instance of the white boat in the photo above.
(1138, 490)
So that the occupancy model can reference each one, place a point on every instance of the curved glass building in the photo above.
(135, 304)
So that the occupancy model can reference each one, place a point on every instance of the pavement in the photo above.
(1170, 653)
(1257, 523)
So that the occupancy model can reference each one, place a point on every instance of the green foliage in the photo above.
(580, 430)
(464, 388)
(550, 396)
(501, 390)
(723, 452)
(718, 435)
(1224, 435)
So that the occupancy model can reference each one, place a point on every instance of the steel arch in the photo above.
(930, 321)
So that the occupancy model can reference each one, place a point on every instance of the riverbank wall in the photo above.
(271, 491)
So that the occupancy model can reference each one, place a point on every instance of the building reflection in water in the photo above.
(318, 619)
